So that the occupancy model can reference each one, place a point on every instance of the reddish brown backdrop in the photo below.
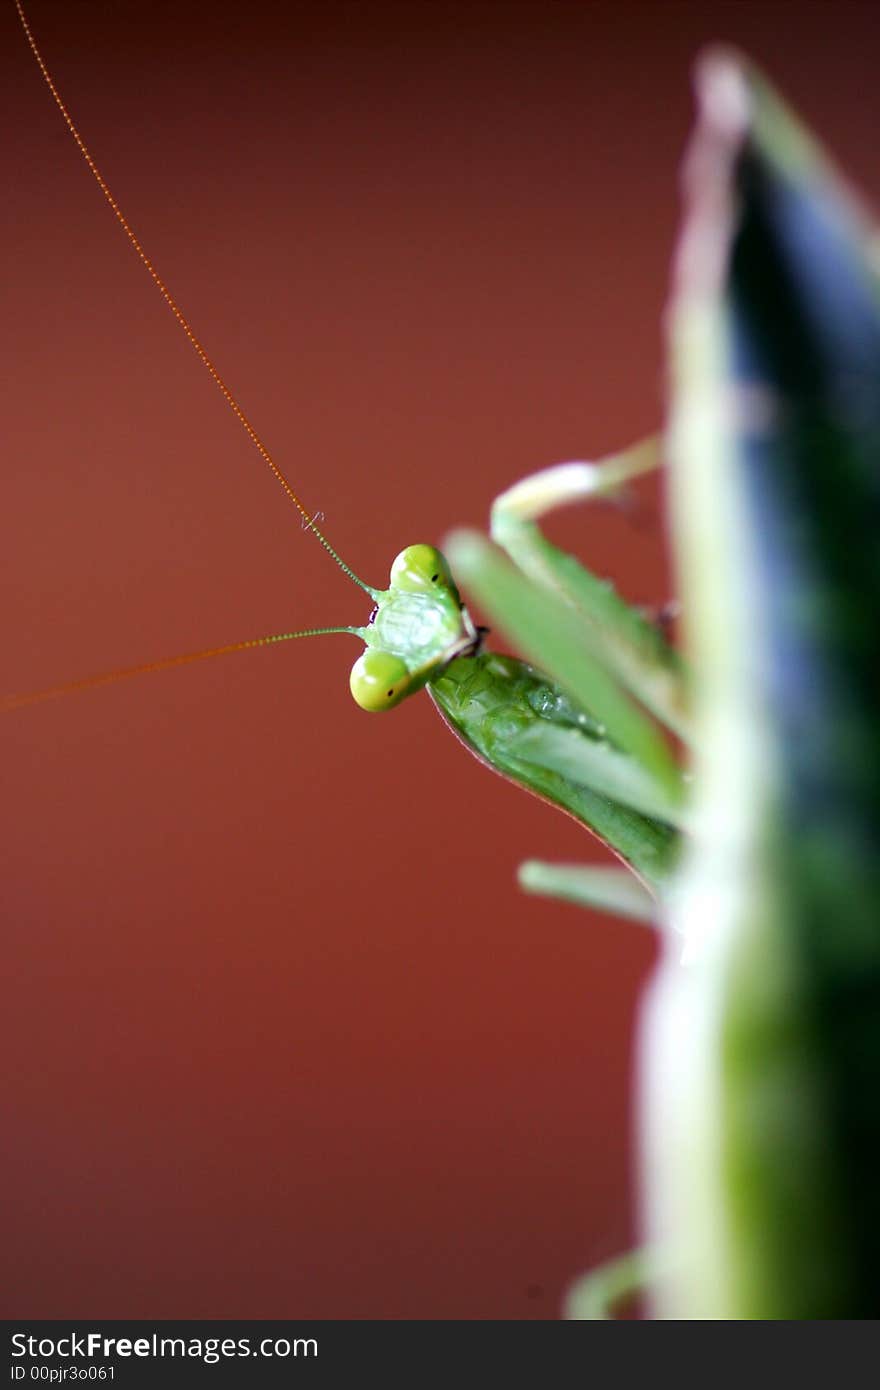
(280, 1036)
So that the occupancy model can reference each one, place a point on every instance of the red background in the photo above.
(281, 1038)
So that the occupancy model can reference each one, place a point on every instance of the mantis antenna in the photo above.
(11, 702)
(418, 624)
(186, 328)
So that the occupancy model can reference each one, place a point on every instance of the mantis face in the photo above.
(418, 626)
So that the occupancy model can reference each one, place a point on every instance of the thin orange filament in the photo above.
(12, 702)
(175, 308)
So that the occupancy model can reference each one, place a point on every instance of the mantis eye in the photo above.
(420, 568)
(379, 680)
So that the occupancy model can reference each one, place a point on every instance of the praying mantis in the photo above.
(121, 799)
(763, 858)
(607, 765)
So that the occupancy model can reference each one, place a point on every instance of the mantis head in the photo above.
(418, 626)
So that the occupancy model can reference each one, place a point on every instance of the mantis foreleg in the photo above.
(631, 646)
(614, 666)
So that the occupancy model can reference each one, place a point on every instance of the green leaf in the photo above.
(765, 1138)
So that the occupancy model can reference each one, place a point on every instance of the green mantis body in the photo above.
(624, 785)
(760, 1048)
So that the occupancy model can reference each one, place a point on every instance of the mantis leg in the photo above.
(612, 663)
(628, 643)
(599, 1295)
(607, 890)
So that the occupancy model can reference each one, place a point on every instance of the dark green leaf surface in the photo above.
(777, 459)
